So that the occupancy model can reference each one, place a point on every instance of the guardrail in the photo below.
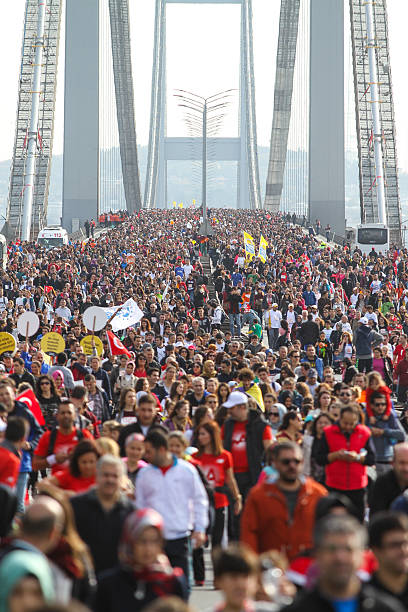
(79, 235)
(333, 237)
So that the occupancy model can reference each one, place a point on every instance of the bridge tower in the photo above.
(31, 164)
(242, 149)
(81, 189)
(326, 117)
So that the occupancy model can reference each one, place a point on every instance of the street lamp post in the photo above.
(204, 107)
(204, 181)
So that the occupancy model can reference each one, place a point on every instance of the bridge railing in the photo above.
(304, 222)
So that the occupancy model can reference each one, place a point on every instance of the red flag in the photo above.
(115, 345)
(47, 289)
(28, 398)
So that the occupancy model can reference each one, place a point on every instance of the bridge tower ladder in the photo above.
(365, 136)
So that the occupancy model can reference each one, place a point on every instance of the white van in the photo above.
(373, 236)
(52, 236)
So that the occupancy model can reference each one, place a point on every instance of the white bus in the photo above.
(52, 236)
(372, 236)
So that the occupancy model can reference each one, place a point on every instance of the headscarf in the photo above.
(133, 527)
(282, 410)
(19, 564)
(57, 373)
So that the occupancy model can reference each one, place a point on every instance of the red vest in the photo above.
(342, 475)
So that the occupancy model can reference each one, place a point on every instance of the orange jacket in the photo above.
(265, 523)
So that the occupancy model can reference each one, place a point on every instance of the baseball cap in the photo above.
(364, 320)
(235, 398)
(312, 373)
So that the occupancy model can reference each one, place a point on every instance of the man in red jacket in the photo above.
(346, 449)
(280, 514)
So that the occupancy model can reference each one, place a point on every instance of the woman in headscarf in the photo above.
(25, 581)
(144, 573)
(275, 416)
(58, 376)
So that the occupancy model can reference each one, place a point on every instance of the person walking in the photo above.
(174, 489)
(280, 514)
(101, 511)
(346, 449)
(272, 319)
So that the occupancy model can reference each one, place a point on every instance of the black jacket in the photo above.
(26, 377)
(309, 332)
(100, 530)
(119, 589)
(127, 431)
(402, 597)
(254, 445)
(386, 488)
(369, 600)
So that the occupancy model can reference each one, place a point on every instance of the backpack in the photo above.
(53, 437)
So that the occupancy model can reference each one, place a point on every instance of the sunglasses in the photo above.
(274, 414)
(45, 382)
(289, 461)
(379, 404)
(345, 394)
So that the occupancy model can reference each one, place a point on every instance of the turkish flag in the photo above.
(115, 345)
(28, 398)
(48, 289)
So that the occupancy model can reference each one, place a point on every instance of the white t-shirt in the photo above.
(188, 268)
(65, 312)
(291, 318)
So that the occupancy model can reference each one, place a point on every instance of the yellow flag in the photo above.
(175, 204)
(181, 205)
(47, 358)
(249, 245)
(262, 249)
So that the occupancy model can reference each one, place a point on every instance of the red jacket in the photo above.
(340, 474)
(266, 525)
(9, 464)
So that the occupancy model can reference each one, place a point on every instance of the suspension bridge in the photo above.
(316, 108)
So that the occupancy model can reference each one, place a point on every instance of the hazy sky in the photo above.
(203, 56)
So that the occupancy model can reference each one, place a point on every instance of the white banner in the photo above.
(129, 315)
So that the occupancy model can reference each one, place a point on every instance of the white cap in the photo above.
(235, 398)
(364, 320)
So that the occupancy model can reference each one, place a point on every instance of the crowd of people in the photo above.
(256, 409)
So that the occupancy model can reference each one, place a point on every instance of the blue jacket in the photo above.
(28, 360)
(21, 410)
(400, 504)
(364, 340)
(309, 297)
(393, 433)
(318, 365)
